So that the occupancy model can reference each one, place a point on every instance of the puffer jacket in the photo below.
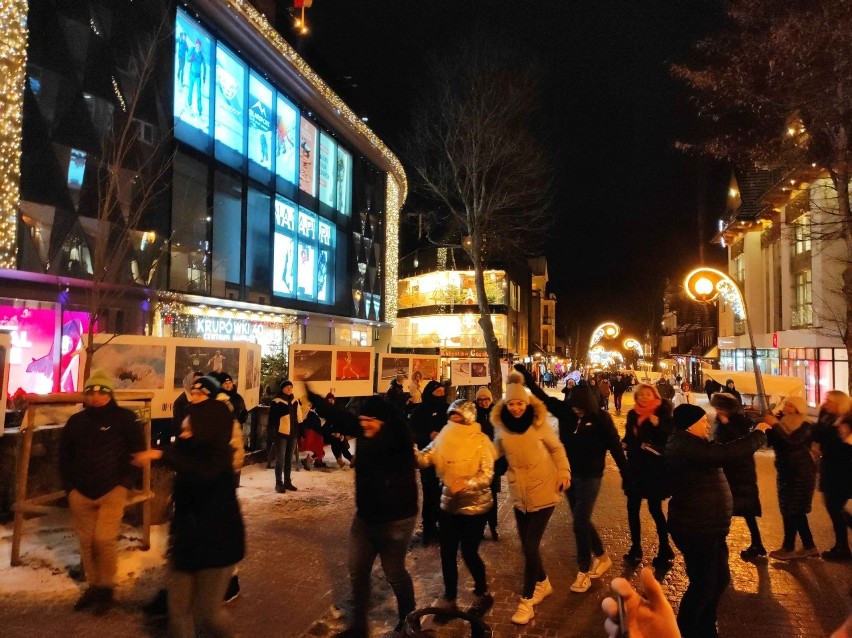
(537, 459)
(795, 467)
(740, 472)
(462, 451)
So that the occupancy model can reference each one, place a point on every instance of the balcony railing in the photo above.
(803, 316)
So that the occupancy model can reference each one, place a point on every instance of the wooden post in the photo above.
(21, 485)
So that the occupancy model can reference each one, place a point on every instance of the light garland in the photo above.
(392, 206)
(13, 63)
(731, 294)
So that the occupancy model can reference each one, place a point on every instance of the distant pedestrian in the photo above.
(796, 476)
(570, 384)
(685, 395)
(731, 388)
(700, 513)
(97, 447)
(621, 385)
(538, 474)
(832, 434)
(605, 390)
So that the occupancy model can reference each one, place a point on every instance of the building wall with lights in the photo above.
(791, 277)
(257, 195)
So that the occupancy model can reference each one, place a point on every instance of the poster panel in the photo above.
(307, 157)
(205, 359)
(308, 363)
(260, 121)
(352, 365)
(306, 264)
(286, 140)
(230, 106)
(327, 181)
(193, 57)
(469, 372)
(284, 255)
(344, 181)
(345, 371)
(428, 367)
(392, 365)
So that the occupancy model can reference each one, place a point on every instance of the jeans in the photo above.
(431, 501)
(456, 530)
(581, 497)
(617, 399)
(96, 523)
(284, 458)
(796, 524)
(840, 520)
(340, 448)
(195, 601)
(390, 542)
(194, 87)
(754, 530)
(655, 507)
(706, 560)
(531, 526)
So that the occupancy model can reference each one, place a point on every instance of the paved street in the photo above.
(295, 572)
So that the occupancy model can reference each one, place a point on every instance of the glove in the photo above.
(522, 369)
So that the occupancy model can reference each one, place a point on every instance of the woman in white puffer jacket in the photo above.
(464, 460)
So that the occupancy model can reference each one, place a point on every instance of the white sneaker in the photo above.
(581, 583)
(543, 589)
(600, 566)
(525, 612)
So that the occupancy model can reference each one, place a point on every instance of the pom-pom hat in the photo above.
(515, 389)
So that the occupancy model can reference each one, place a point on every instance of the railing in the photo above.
(803, 316)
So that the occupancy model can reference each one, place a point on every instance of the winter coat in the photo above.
(646, 475)
(587, 441)
(462, 451)
(385, 477)
(701, 500)
(740, 472)
(207, 528)
(95, 447)
(605, 389)
(285, 414)
(795, 468)
(835, 468)
(537, 459)
(500, 464)
(429, 416)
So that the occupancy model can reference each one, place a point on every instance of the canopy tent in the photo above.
(774, 385)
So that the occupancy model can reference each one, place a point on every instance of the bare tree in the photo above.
(776, 87)
(475, 155)
(135, 159)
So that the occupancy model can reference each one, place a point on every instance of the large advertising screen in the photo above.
(260, 122)
(306, 274)
(325, 262)
(286, 140)
(307, 157)
(193, 57)
(326, 169)
(230, 104)
(344, 181)
(284, 259)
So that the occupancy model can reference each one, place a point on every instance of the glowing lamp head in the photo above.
(610, 331)
(703, 286)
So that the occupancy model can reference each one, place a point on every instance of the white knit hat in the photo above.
(515, 389)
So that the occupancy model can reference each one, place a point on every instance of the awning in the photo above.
(712, 353)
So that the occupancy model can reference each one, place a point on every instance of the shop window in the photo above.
(227, 234)
(258, 254)
(190, 246)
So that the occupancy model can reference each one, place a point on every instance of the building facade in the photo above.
(255, 203)
(788, 263)
(542, 311)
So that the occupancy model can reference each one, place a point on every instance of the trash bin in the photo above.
(411, 628)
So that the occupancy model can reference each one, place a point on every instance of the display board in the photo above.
(160, 365)
(345, 371)
(469, 372)
(193, 72)
(260, 121)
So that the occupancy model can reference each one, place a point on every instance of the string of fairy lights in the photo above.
(13, 61)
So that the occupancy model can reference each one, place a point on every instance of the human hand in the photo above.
(146, 456)
(763, 426)
(520, 367)
(654, 419)
(650, 617)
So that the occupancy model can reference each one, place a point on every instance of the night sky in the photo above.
(626, 204)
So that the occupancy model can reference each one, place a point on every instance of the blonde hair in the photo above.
(844, 403)
(647, 386)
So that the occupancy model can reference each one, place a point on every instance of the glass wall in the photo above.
(227, 235)
(445, 331)
(450, 287)
(191, 219)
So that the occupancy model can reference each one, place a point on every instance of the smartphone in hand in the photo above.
(622, 617)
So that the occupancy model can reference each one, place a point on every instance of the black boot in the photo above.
(87, 599)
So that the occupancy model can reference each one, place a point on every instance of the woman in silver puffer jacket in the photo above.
(463, 458)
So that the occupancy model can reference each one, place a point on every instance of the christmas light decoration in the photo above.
(392, 206)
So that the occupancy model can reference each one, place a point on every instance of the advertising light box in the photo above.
(284, 262)
(193, 57)
(260, 122)
(306, 265)
(326, 169)
(325, 262)
(344, 181)
(286, 140)
(230, 107)
(307, 157)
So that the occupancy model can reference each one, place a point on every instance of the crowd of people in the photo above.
(460, 450)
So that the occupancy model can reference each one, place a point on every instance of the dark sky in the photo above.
(626, 204)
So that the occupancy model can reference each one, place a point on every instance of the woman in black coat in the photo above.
(796, 476)
(732, 424)
(835, 469)
(649, 425)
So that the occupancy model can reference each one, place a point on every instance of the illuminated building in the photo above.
(257, 204)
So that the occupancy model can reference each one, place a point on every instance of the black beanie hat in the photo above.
(686, 415)
(208, 385)
(285, 383)
(221, 377)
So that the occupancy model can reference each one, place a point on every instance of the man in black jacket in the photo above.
(427, 420)
(700, 512)
(285, 414)
(385, 502)
(96, 451)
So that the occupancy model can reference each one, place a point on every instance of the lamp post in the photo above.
(608, 329)
(706, 285)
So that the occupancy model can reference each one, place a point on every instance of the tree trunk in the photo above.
(492, 347)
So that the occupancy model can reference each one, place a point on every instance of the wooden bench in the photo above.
(141, 404)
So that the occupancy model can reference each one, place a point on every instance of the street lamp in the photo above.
(705, 285)
(608, 329)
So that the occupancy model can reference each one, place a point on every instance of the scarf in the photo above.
(649, 410)
(517, 425)
(789, 423)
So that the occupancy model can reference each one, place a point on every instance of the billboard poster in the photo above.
(352, 365)
(286, 137)
(427, 367)
(193, 57)
(132, 366)
(469, 372)
(306, 264)
(307, 157)
(260, 122)
(189, 359)
(325, 262)
(284, 257)
(252, 369)
(327, 180)
(230, 107)
(391, 366)
(344, 181)
(312, 365)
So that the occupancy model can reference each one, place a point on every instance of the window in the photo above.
(227, 235)
(190, 221)
(739, 270)
(803, 310)
(802, 233)
(257, 242)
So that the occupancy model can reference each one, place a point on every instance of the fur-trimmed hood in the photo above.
(539, 414)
